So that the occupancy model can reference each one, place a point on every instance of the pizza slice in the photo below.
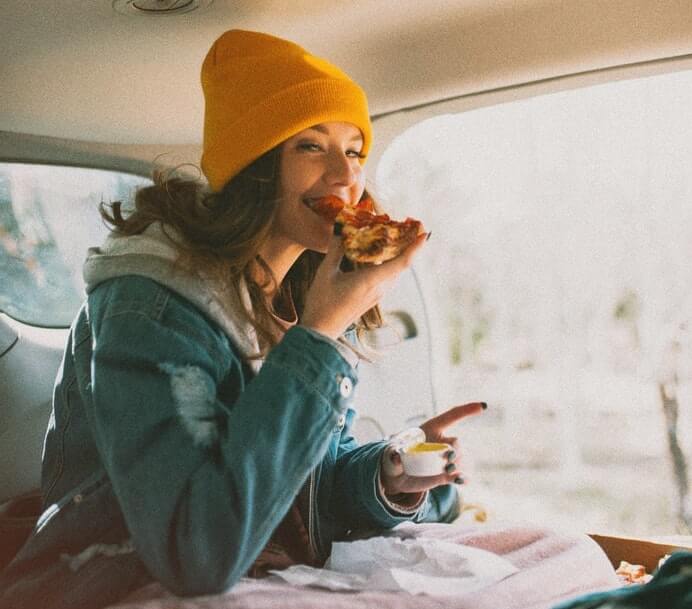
(368, 237)
(633, 574)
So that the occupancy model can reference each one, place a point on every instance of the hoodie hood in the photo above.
(154, 254)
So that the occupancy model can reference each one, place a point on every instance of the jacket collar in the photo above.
(154, 254)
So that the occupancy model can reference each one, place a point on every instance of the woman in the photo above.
(200, 429)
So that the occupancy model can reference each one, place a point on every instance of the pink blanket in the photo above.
(552, 567)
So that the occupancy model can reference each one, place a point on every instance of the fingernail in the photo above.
(484, 406)
(428, 237)
(449, 468)
(450, 454)
(458, 480)
(337, 228)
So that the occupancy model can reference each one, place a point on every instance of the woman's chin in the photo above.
(320, 249)
(321, 243)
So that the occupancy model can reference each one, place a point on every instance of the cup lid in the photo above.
(407, 438)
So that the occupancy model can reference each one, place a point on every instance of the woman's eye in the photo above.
(309, 146)
(355, 154)
(315, 147)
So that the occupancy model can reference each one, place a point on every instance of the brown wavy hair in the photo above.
(223, 232)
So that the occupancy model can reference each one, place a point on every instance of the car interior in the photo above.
(544, 143)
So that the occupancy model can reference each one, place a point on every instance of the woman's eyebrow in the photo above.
(324, 130)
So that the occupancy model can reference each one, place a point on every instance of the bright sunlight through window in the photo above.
(48, 219)
(560, 275)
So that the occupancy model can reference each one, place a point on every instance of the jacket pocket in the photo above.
(86, 515)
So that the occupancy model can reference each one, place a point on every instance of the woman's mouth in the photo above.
(326, 207)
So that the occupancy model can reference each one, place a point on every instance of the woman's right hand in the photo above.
(336, 299)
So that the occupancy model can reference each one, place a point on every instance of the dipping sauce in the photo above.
(426, 447)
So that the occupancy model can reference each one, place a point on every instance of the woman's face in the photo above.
(319, 161)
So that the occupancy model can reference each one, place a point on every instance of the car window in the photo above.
(48, 218)
(559, 278)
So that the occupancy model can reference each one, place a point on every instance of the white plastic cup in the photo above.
(425, 459)
(418, 457)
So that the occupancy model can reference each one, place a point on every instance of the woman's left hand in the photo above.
(395, 481)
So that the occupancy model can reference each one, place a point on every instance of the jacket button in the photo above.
(77, 498)
(345, 387)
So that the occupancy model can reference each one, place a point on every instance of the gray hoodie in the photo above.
(154, 254)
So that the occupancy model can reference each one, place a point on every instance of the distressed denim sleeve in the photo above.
(202, 485)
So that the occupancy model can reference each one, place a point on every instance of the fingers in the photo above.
(391, 463)
(396, 480)
(451, 416)
(377, 274)
(454, 443)
(337, 298)
(453, 457)
(395, 266)
(405, 259)
(410, 484)
(451, 474)
(335, 252)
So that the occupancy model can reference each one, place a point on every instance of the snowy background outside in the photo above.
(560, 278)
(48, 220)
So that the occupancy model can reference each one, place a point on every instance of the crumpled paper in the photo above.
(416, 565)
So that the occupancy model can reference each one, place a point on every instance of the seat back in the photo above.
(27, 373)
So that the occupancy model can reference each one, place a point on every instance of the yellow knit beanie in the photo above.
(260, 90)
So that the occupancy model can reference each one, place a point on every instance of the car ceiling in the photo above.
(80, 70)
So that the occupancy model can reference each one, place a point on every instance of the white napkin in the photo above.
(415, 565)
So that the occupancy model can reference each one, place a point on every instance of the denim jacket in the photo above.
(167, 457)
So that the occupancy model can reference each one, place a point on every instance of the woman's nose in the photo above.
(341, 170)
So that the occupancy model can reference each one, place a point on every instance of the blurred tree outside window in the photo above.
(560, 278)
(48, 219)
